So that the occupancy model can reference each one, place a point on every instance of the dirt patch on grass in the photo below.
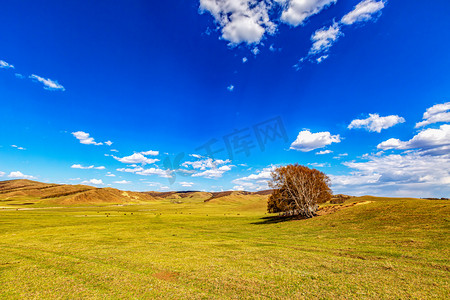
(326, 210)
(166, 275)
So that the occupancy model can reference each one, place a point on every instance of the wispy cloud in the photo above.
(5, 65)
(136, 158)
(18, 148)
(324, 38)
(49, 84)
(78, 166)
(363, 11)
(122, 182)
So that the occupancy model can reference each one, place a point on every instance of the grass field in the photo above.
(225, 248)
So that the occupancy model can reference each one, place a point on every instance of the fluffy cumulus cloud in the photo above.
(307, 141)
(247, 21)
(93, 181)
(363, 11)
(254, 182)
(429, 141)
(85, 138)
(375, 123)
(78, 166)
(5, 65)
(20, 175)
(241, 21)
(438, 113)
(49, 84)
(186, 184)
(406, 174)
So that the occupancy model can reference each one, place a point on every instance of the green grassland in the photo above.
(224, 248)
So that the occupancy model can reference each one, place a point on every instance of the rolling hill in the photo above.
(27, 192)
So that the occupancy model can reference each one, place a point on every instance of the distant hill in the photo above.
(208, 196)
(38, 192)
(25, 192)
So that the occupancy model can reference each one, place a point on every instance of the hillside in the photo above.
(27, 192)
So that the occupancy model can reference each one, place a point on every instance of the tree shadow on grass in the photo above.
(277, 219)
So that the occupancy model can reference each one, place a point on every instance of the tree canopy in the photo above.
(298, 190)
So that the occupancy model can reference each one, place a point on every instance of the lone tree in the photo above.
(298, 190)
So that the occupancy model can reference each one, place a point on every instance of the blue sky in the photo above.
(357, 89)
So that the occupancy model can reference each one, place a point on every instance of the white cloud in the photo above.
(122, 182)
(339, 156)
(5, 65)
(109, 143)
(207, 163)
(20, 175)
(211, 168)
(244, 60)
(319, 165)
(147, 172)
(307, 141)
(407, 174)
(323, 152)
(78, 166)
(255, 182)
(2, 174)
(241, 21)
(255, 51)
(136, 158)
(109, 174)
(18, 148)
(93, 181)
(375, 123)
(436, 114)
(363, 11)
(49, 84)
(429, 141)
(297, 11)
(324, 38)
(84, 138)
(150, 153)
(186, 184)
(230, 87)
(114, 150)
(321, 58)
(213, 173)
